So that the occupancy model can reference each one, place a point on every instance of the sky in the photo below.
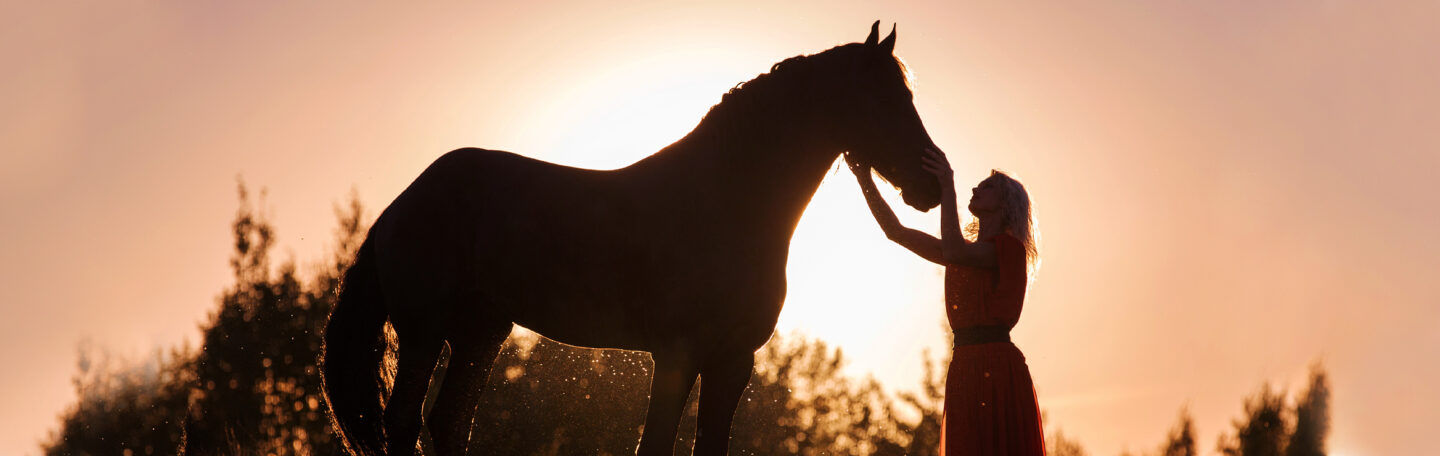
(1227, 191)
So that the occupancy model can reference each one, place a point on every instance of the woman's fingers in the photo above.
(938, 157)
(937, 161)
(935, 166)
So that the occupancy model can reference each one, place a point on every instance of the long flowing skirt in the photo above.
(990, 404)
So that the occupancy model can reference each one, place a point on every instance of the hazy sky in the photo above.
(1227, 191)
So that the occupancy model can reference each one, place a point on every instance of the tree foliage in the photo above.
(1271, 428)
(1181, 440)
(1312, 417)
(1060, 445)
(123, 407)
(251, 388)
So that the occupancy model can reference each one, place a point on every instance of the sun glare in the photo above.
(616, 115)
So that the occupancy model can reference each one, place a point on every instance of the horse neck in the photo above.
(750, 173)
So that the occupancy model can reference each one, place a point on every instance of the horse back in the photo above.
(492, 235)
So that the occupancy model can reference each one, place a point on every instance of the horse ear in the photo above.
(874, 34)
(889, 44)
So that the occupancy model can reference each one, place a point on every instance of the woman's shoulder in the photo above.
(1007, 246)
(1005, 238)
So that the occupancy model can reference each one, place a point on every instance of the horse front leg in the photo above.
(722, 382)
(670, 386)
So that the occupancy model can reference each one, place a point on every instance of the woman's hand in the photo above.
(934, 162)
(861, 171)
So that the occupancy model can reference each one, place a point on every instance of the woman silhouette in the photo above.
(990, 404)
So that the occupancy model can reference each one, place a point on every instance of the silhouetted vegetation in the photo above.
(550, 398)
(1060, 445)
(1270, 428)
(140, 407)
(252, 387)
(1312, 417)
(1181, 441)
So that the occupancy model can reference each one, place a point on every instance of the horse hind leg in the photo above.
(471, 357)
(722, 382)
(669, 388)
(417, 359)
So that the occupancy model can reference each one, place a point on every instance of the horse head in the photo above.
(878, 124)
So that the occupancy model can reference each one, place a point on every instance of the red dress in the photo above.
(990, 404)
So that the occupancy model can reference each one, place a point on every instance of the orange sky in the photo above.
(1227, 190)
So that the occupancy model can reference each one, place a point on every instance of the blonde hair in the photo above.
(1015, 216)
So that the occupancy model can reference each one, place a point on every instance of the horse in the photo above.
(681, 254)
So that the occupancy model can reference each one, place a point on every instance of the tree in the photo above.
(1312, 417)
(929, 405)
(1063, 446)
(798, 402)
(253, 386)
(1181, 441)
(125, 409)
(1264, 429)
(257, 387)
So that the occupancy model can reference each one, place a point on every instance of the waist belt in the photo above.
(976, 335)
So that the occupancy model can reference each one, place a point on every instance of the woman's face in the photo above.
(986, 197)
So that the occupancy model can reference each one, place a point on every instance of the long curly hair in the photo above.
(1016, 218)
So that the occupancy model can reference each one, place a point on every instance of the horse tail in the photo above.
(350, 368)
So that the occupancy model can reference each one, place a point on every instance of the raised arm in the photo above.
(916, 241)
(955, 249)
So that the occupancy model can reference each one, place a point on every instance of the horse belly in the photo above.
(560, 266)
(579, 304)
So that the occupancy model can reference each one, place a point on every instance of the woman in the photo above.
(990, 405)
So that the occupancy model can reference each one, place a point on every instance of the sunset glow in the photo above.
(1228, 192)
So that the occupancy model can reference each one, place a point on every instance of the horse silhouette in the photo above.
(681, 254)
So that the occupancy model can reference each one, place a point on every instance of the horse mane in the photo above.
(767, 98)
